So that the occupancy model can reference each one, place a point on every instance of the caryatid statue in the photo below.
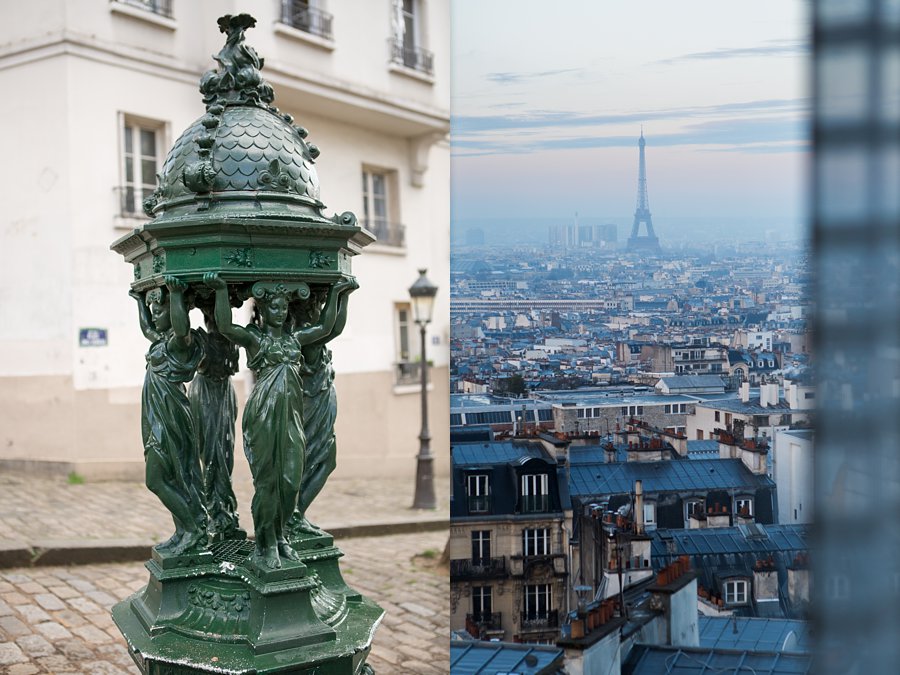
(214, 407)
(273, 421)
(319, 406)
(167, 425)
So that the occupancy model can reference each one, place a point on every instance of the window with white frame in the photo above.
(481, 603)
(481, 546)
(407, 45)
(404, 340)
(478, 487)
(691, 507)
(649, 513)
(743, 506)
(141, 159)
(534, 492)
(537, 601)
(379, 206)
(160, 7)
(536, 541)
(736, 592)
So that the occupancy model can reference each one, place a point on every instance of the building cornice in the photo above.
(346, 100)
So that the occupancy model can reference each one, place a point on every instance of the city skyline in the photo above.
(548, 132)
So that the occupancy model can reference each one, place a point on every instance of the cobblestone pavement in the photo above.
(56, 619)
(32, 507)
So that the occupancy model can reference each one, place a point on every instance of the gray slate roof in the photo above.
(740, 539)
(494, 452)
(675, 475)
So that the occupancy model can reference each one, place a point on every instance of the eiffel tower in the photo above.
(649, 242)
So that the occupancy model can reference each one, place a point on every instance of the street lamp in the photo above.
(422, 293)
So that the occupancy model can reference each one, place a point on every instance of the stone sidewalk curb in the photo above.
(93, 551)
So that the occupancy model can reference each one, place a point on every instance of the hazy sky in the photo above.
(549, 98)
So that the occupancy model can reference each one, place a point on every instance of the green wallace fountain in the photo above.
(236, 217)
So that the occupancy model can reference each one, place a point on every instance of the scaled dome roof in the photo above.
(243, 147)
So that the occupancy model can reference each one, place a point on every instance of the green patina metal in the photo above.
(237, 216)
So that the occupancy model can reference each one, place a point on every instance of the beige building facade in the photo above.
(97, 94)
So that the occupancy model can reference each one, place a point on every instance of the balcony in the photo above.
(534, 504)
(160, 7)
(481, 626)
(387, 234)
(479, 504)
(310, 20)
(539, 620)
(482, 568)
(411, 56)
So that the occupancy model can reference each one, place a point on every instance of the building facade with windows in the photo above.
(508, 544)
(103, 89)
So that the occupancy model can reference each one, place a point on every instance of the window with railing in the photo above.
(379, 209)
(160, 7)
(406, 43)
(481, 603)
(481, 546)
(537, 611)
(140, 163)
(534, 496)
(306, 16)
(478, 491)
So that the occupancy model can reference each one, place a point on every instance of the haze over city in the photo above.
(548, 110)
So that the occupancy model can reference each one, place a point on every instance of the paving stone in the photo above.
(102, 598)
(23, 669)
(85, 606)
(49, 601)
(91, 634)
(14, 598)
(53, 631)
(103, 668)
(35, 645)
(5, 610)
(69, 618)
(31, 588)
(12, 627)
(10, 653)
(417, 609)
(32, 614)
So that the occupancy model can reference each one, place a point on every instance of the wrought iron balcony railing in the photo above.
(388, 234)
(540, 620)
(479, 503)
(412, 56)
(131, 201)
(484, 621)
(161, 7)
(480, 568)
(311, 20)
(534, 504)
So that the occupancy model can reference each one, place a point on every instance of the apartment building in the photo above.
(99, 91)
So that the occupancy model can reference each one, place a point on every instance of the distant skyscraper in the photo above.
(642, 212)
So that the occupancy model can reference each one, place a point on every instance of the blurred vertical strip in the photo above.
(856, 241)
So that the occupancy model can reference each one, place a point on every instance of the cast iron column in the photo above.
(424, 498)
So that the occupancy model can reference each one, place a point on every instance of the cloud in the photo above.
(475, 124)
(512, 78)
(770, 48)
(751, 134)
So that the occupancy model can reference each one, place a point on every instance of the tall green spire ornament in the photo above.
(235, 217)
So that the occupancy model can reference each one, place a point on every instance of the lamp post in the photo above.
(422, 293)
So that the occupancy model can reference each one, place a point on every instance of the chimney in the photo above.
(638, 507)
(745, 392)
(764, 395)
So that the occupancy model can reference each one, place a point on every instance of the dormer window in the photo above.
(478, 489)
(744, 507)
(535, 493)
(736, 592)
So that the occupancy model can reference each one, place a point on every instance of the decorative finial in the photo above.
(237, 80)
